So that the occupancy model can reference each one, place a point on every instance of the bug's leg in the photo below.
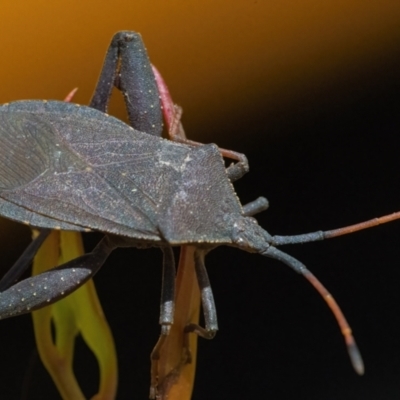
(50, 286)
(234, 171)
(172, 116)
(127, 67)
(23, 261)
(254, 207)
(207, 300)
(167, 308)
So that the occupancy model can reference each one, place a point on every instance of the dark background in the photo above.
(325, 155)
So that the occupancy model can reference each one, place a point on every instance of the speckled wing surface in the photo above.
(62, 164)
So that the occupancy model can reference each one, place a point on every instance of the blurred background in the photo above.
(309, 91)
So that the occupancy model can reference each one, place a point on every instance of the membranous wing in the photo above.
(66, 164)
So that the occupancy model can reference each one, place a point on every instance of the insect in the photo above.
(64, 166)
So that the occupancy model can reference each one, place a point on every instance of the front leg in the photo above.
(207, 300)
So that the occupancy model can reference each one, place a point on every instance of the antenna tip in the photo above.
(355, 357)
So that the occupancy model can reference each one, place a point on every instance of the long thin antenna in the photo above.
(362, 225)
(321, 235)
(352, 349)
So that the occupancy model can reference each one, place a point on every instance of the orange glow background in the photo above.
(219, 58)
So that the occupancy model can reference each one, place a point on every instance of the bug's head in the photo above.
(249, 236)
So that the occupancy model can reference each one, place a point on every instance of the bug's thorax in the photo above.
(200, 201)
